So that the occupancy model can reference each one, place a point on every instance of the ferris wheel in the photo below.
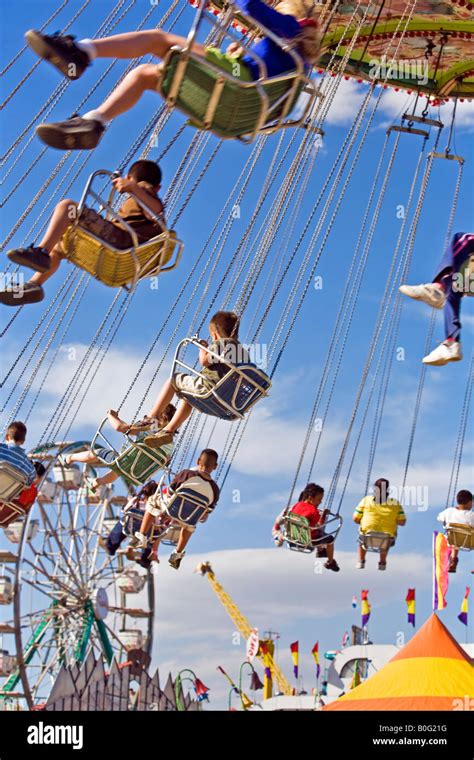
(63, 595)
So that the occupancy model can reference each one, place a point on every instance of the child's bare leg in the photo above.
(63, 216)
(136, 44)
(164, 398)
(105, 480)
(146, 523)
(179, 418)
(361, 553)
(383, 557)
(330, 551)
(153, 555)
(39, 278)
(184, 537)
(87, 457)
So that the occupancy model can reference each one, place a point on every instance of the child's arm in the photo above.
(278, 23)
(124, 185)
(205, 360)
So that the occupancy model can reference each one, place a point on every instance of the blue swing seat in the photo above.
(187, 508)
(233, 395)
(131, 523)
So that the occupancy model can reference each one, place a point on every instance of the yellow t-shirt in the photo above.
(380, 518)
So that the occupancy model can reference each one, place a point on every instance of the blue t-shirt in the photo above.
(286, 27)
(16, 456)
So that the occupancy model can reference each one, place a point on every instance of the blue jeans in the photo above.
(116, 538)
(458, 251)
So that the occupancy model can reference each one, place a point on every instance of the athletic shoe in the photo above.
(74, 134)
(31, 257)
(160, 439)
(360, 565)
(331, 564)
(175, 559)
(59, 50)
(104, 545)
(431, 293)
(18, 295)
(140, 541)
(449, 351)
(382, 565)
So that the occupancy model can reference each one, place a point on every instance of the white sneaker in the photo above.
(360, 565)
(449, 351)
(141, 540)
(382, 565)
(431, 293)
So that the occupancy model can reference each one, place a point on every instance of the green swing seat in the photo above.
(230, 108)
(134, 462)
(298, 533)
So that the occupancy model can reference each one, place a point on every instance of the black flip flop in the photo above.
(30, 293)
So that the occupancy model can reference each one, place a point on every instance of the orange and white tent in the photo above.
(432, 672)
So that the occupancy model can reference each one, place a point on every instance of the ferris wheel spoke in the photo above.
(54, 579)
(64, 555)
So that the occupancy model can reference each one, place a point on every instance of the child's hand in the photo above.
(235, 50)
(204, 343)
(124, 185)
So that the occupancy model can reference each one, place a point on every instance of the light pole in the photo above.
(200, 690)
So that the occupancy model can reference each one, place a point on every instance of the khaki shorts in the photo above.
(192, 384)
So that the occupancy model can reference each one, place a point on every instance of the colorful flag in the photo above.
(440, 570)
(410, 600)
(294, 655)
(463, 614)
(345, 639)
(315, 653)
(354, 601)
(365, 607)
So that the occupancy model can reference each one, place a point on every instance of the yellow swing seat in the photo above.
(112, 266)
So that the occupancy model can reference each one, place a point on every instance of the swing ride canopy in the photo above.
(432, 672)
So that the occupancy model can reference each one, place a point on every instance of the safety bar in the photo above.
(112, 214)
(195, 342)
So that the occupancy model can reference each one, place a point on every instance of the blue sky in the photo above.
(276, 590)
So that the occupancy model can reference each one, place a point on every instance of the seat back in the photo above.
(187, 507)
(298, 533)
(132, 520)
(376, 542)
(137, 463)
(12, 481)
(240, 105)
(115, 267)
(460, 536)
(234, 394)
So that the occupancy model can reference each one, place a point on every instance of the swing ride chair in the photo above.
(240, 388)
(12, 483)
(187, 508)
(372, 541)
(297, 531)
(460, 536)
(113, 266)
(131, 523)
(215, 100)
(136, 463)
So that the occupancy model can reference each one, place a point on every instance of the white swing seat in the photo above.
(460, 536)
(373, 541)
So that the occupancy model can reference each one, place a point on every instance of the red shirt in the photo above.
(28, 496)
(305, 509)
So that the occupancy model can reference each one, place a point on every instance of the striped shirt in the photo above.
(16, 456)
